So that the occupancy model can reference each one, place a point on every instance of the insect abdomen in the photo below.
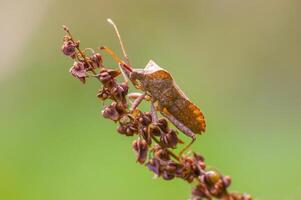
(188, 114)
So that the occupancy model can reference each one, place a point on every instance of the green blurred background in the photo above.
(238, 60)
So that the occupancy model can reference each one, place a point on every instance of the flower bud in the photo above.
(68, 48)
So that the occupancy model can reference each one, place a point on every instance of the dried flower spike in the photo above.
(155, 140)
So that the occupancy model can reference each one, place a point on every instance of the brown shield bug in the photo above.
(165, 95)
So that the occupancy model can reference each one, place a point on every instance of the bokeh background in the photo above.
(238, 60)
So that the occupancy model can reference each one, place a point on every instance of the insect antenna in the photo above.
(120, 41)
(124, 68)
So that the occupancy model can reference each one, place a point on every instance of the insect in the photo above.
(165, 95)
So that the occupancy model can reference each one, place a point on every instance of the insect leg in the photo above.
(179, 125)
(137, 101)
(186, 147)
(153, 113)
(120, 40)
(135, 95)
(182, 128)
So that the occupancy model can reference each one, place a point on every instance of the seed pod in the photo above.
(212, 177)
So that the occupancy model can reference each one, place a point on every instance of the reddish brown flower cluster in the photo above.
(155, 139)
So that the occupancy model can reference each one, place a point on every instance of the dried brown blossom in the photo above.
(141, 148)
(96, 60)
(78, 70)
(154, 136)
